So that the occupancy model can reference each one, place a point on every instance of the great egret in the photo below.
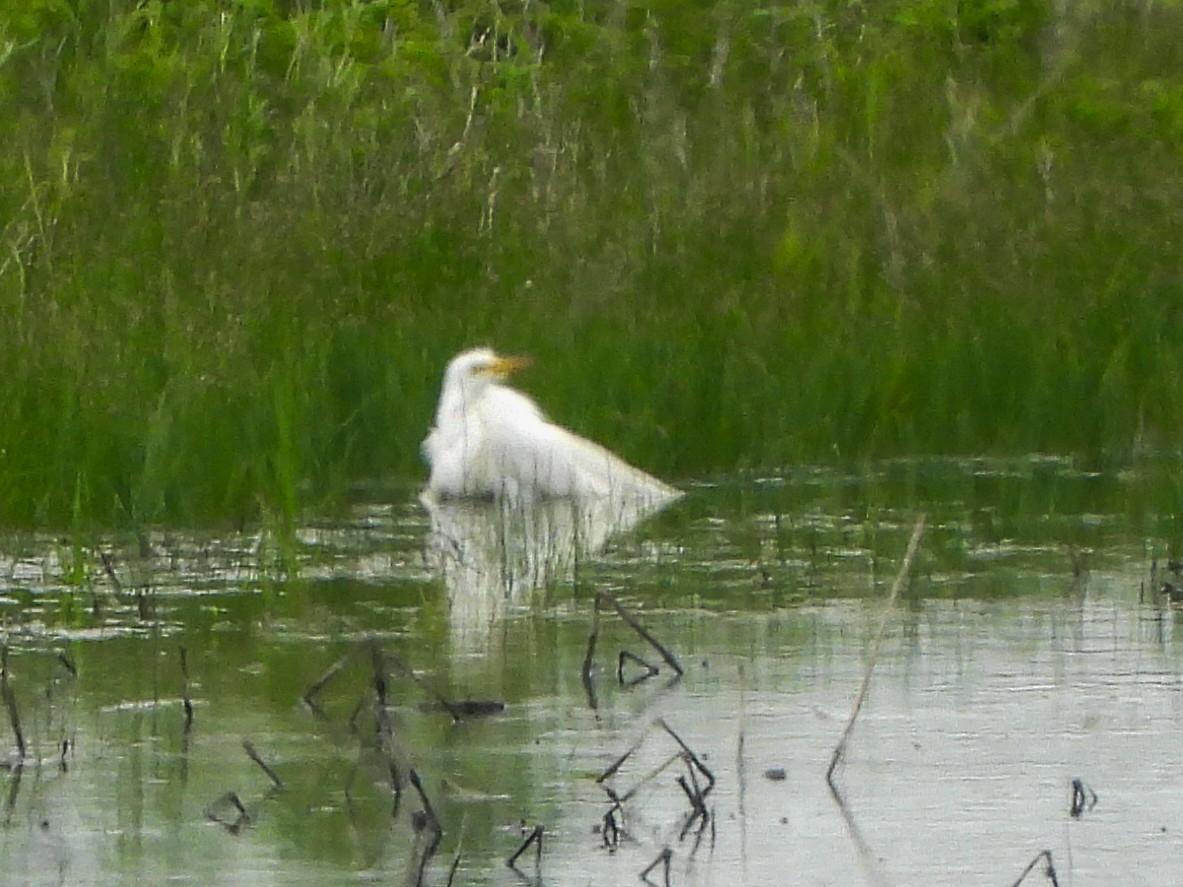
(490, 441)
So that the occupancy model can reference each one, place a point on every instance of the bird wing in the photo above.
(542, 459)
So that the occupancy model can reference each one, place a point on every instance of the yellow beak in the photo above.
(504, 365)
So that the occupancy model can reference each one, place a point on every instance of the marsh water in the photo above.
(449, 645)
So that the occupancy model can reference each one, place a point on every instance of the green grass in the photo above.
(242, 239)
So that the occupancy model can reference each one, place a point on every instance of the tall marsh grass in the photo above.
(240, 240)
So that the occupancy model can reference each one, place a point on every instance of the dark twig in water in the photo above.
(610, 830)
(109, 569)
(468, 708)
(585, 672)
(618, 763)
(535, 838)
(740, 770)
(648, 671)
(432, 821)
(251, 753)
(436, 696)
(691, 756)
(385, 728)
(662, 860)
(698, 807)
(1049, 869)
(145, 604)
(697, 798)
(646, 779)
(230, 799)
(1083, 799)
(331, 672)
(452, 870)
(426, 819)
(896, 586)
(10, 702)
(67, 662)
(186, 701)
(14, 790)
(636, 626)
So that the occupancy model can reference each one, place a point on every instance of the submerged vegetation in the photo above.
(241, 239)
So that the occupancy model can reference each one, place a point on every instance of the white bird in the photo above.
(490, 441)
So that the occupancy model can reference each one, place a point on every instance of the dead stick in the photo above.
(640, 630)
(333, 670)
(186, 701)
(1049, 870)
(585, 672)
(249, 748)
(10, 702)
(647, 778)
(437, 697)
(109, 569)
(619, 762)
(663, 860)
(694, 759)
(901, 576)
(535, 838)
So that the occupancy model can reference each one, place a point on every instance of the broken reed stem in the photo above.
(385, 727)
(901, 576)
(332, 671)
(428, 811)
(186, 701)
(585, 671)
(619, 762)
(10, 702)
(535, 838)
(645, 780)
(1050, 870)
(625, 656)
(438, 698)
(694, 759)
(109, 569)
(429, 821)
(636, 626)
(664, 861)
(249, 748)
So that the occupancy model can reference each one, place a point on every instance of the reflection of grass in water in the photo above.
(997, 528)
(240, 247)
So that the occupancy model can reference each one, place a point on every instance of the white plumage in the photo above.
(490, 441)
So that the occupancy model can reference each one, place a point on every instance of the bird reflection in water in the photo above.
(515, 500)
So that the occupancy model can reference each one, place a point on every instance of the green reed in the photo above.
(241, 241)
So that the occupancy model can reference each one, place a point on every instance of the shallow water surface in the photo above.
(1032, 648)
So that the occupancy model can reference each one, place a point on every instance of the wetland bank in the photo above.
(789, 257)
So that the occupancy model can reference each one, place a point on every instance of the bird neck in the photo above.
(455, 404)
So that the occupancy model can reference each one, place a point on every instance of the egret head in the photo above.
(475, 368)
